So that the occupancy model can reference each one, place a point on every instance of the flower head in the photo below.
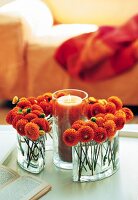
(24, 104)
(110, 107)
(37, 107)
(32, 131)
(16, 119)
(42, 123)
(20, 126)
(109, 116)
(48, 96)
(86, 134)
(100, 121)
(77, 124)
(10, 116)
(97, 108)
(15, 100)
(129, 113)
(91, 124)
(100, 135)
(110, 127)
(32, 100)
(119, 121)
(70, 137)
(30, 116)
(117, 101)
(47, 107)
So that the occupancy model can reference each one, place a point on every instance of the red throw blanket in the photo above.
(102, 54)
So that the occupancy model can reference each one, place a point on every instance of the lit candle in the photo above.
(68, 110)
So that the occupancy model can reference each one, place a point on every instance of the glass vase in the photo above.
(94, 161)
(31, 154)
(68, 107)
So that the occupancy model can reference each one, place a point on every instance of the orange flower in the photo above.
(97, 108)
(129, 113)
(24, 104)
(110, 107)
(47, 107)
(109, 116)
(30, 116)
(20, 126)
(16, 119)
(120, 113)
(37, 112)
(100, 135)
(40, 98)
(88, 110)
(92, 100)
(91, 124)
(100, 115)
(48, 96)
(102, 101)
(86, 134)
(42, 123)
(36, 107)
(117, 101)
(32, 131)
(15, 100)
(110, 127)
(70, 137)
(77, 124)
(100, 121)
(10, 116)
(119, 121)
(32, 100)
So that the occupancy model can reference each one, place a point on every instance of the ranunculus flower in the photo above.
(32, 131)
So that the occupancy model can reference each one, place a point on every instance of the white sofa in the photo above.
(32, 70)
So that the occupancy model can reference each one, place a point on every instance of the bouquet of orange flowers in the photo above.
(95, 140)
(30, 117)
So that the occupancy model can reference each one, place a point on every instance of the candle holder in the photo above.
(68, 107)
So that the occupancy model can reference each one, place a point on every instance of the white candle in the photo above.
(69, 100)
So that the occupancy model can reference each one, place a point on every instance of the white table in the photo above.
(123, 185)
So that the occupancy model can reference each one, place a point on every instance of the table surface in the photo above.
(123, 185)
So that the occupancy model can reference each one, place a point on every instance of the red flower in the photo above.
(47, 107)
(42, 123)
(110, 107)
(48, 96)
(16, 119)
(24, 104)
(86, 134)
(88, 110)
(40, 98)
(10, 116)
(120, 121)
(91, 124)
(70, 137)
(100, 121)
(37, 112)
(100, 135)
(20, 126)
(117, 101)
(77, 124)
(97, 108)
(109, 116)
(36, 107)
(110, 127)
(30, 116)
(129, 113)
(32, 100)
(32, 131)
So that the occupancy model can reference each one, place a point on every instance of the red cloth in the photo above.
(102, 54)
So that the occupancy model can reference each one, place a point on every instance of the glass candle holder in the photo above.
(94, 161)
(68, 107)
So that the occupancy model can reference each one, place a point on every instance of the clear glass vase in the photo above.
(31, 154)
(68, 107)
(94, 161)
